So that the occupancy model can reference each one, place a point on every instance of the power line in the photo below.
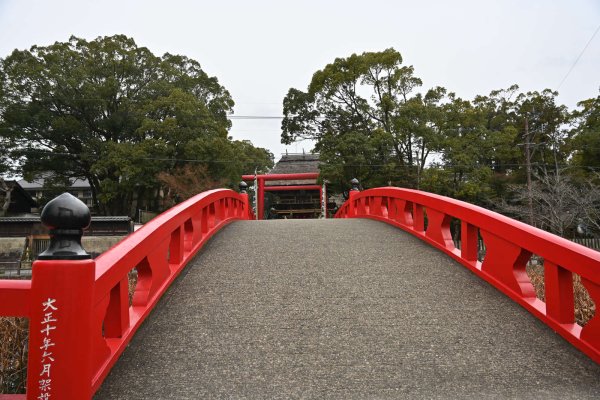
(447, 152)
(255, 117)
(27, 105)
(351, 165)
(578, 57)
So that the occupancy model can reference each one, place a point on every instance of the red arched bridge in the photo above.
(376, 303)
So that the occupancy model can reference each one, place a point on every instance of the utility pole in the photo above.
(528, 169)
(418, 177)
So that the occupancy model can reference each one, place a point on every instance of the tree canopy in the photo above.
(372, 120)
(366, 118)
(117, 115)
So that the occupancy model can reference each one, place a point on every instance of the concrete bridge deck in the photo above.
(340, 309)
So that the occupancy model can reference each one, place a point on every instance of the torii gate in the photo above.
(260, 190)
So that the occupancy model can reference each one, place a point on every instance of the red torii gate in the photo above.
(260, 190)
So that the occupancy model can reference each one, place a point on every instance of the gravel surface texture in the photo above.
(344, 309)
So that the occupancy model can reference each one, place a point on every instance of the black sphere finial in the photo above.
(66, 216)
(243, 187)
(355, 185)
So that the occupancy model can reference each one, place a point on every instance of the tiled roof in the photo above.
(38, 183)
(36, 218)
(15, 187)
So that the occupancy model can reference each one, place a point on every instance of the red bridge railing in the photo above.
(80, 315)
(509, 246)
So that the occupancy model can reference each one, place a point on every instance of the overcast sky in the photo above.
(259, 49)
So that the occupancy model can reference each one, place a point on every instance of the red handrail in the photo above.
(14, 298)
(509, 246)
(80, 315)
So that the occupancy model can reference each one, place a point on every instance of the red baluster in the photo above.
(591, 331)
(418, 218)
(469, 238)
(117, 314)
(438, 228)
(176, 247)
(558, 287)
(506, 263)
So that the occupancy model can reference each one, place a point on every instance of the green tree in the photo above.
(545, 134)
(5, 164)
(485, 142)
(113, 113)
(585, 134)
(366, 119)
(479, 146)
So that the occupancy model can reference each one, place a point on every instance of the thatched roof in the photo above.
(295, 164)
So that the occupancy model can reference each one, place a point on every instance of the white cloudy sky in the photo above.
(259, 49)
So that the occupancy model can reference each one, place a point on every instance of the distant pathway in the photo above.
(341, 309)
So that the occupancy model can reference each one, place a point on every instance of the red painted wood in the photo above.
(14, 298)
(159, 268)
(351, 205)
(60, 329)
(211, 216)
(176, 246)
(438, 228)
(374, 205)
(260, 192)
(469, 242)
(204, 222)
(220, 210)
(293, 187)
(363, 206)
(509, 245)
(101, 351)
(260, 198)
(393, 209)
(591, 331)
(282, 177)
(141, 295)
(558, 288)
(197, 227)
(323, 197)
(506, 262)
(116, 321)
(94, 319)
(188, 235)
(418, 218)
(385, 207)
(405, 212)
(149, 253)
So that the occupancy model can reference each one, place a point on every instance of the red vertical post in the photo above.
(418, 218)
(117, 314)
(324, 195)
(560, 302)
(591, 331)
(469, 240)
(60, 330)
(351, 195)
(221, 209)
(61, 307)
(351, 205)
(260, 198)
(176, 247)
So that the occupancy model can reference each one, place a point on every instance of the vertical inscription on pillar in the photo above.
(49, 325)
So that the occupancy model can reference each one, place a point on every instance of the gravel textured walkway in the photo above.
(341, 309)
